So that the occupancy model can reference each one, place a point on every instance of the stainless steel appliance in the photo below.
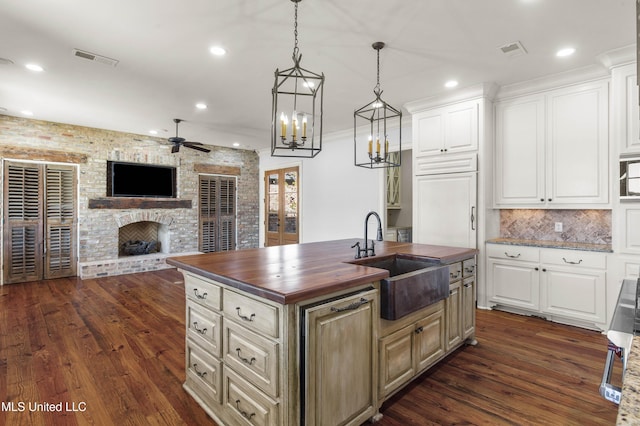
(624, 325)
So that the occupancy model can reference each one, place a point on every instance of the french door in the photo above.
(40, 221)
(281, 207)
(217, 216)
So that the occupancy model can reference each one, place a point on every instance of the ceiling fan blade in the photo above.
(175, 148)
(196, 146)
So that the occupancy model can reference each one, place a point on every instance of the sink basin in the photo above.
(413, 284)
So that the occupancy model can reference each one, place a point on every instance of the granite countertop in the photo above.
(553, 244)
(629, 409)
(292, 273)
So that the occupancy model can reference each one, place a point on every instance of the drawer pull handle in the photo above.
(245, 360)
(470, 269)
(244, 413)
(452, 275)
(570, 262)
(512, 256)
(201, 331)
(419, 330)
(467, 285)
(351, 307)
(244, 317)
(200, 374)
(202, 296)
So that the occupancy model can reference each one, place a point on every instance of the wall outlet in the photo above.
(558, 227)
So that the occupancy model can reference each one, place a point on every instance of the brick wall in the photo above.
(98, 228)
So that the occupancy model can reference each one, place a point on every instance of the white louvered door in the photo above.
(39, 221)
(217, 213)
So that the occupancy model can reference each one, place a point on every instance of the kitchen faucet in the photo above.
(366, 248)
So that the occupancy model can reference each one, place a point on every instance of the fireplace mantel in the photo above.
(138, 203)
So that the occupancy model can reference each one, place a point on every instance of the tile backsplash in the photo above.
(579, 226)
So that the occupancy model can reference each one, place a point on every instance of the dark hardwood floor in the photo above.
(112, 349)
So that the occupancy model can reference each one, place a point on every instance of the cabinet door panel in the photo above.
(514, 284)
(430, 131)
(454, 315)
(445, 210)
(341, 367)
(578, 141)
(396, 360)
(429, 337)
(520, 152)
(461, 127)
(573, 293)
(468, 307)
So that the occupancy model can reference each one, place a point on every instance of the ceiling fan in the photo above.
(178, 141)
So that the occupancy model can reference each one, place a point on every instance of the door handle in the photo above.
(473, 218)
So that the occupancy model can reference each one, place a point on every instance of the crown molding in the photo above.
(478, 91)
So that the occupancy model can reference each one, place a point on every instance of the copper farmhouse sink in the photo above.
(413, 284)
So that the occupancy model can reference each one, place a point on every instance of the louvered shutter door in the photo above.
(23, 223)
(60, 208)
(217, 213)
(227, 214)
(208, 224)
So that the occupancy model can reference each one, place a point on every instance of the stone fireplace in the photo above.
(136, 226)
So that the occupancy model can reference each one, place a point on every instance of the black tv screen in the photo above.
(140, 180)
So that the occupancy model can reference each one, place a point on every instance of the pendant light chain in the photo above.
(376, 89)
(295, 33)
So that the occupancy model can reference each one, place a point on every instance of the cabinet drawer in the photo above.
(251, 313)
(252, 356)
(247, 405)
(468, 267)
(205, 371)
(204, 326)
(574, 258)
(203, 292)
(455, 271)
(513, 252)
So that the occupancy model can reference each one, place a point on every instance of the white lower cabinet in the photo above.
(564, 285)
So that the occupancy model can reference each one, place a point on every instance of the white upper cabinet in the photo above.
(552, 149)
(449, 129)
(625, 114)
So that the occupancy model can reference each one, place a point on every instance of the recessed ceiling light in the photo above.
(451, 83)
(26, 112)
(218, 51)
(567, 51)
(201, 105)
(34, 67)
(153, 132)
(236, 144)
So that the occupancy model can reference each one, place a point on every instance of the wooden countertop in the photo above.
(292, 273)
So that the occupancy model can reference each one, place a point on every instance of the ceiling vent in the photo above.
(513, 49)
(93, 57)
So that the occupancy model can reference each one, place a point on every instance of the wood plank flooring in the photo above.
(110, 351)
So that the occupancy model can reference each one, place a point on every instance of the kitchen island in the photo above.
(292, 334)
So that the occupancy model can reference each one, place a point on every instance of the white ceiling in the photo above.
(165, 66)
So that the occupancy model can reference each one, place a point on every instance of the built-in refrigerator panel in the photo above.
(445, 209)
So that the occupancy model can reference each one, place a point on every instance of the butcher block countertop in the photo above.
(293, 273)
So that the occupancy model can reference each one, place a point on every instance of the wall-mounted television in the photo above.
(140, 180)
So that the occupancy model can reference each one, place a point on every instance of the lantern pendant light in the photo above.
(296, 119)
(371, 126)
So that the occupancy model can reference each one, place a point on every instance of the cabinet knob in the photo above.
(542, 199)
(549, 199)
(544, 270)
(536, 268)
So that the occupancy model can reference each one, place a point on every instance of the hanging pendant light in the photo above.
(296, 121)
(371, 126)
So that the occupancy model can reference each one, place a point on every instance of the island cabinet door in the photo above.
(340, 379)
